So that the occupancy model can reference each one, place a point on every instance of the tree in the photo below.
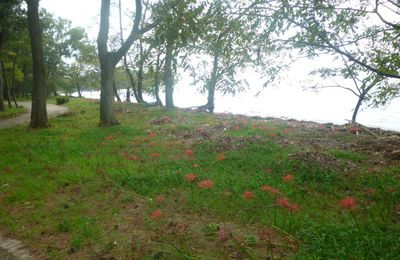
(39, 111)
(108, 60)
(360, 32)
(178, 26)
(8, 9)
(228, 42)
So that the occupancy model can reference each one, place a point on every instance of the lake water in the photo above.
(329, 105)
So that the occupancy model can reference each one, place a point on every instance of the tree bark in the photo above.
(13, 79)
(6, 87)
(2, 107)
(140, 75)
(108, 60)
(357, 108)
(168, 77)
(128, 95)
(116, 92)
(79, 89)
(213, 83)
(157, 82)
(39, 110)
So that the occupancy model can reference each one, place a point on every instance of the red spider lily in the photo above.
(154, 155)
(160, 199)
(270, 189)
(348, 203)
(248, 195)
(293, 207)
(353, 130)
(288, 178)
(221, 157)
(134, 158)
(189, 152)
(155, 214)
(190, 177)
(206, 184)
(282, 202)
(152, 134)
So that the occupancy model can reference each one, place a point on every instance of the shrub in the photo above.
(62, 100)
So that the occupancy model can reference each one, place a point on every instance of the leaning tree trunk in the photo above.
(168, 78)
(116, 92)
(39, 111)
(79, 89)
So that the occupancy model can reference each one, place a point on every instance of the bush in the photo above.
(62, 100)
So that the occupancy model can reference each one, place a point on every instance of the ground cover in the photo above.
(176, 184)
(12, 112)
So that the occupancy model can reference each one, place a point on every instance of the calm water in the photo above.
(330, 105)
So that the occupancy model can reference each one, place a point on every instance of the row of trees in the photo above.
(216, 39)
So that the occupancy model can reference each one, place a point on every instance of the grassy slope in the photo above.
(75, 190)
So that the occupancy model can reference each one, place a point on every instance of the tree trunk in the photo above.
(168, 77)
(6, 87)
(131, 80)
(39, 110)
(13, 79)
(157, 82)
(358, 105)
(140, 74)
(116, 92)
(2, 107)
(107, 117)
(212, 84)
(79, 89)
(128, 95)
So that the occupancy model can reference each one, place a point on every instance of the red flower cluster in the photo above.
(270, 189)
(190, 177)
(221, 157)
(284, 203)
(189, 152)
(152, 134)
(206, 184)
(272, 134)
(134, 158)
(155, 214)
(154, 155)
(288, 178)
(348, 203)
(248, 195)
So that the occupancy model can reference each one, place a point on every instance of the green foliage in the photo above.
(62, 100)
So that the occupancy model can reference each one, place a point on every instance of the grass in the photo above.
(12, 112)
(79, 191)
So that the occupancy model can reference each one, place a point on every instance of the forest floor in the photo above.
(181, 184)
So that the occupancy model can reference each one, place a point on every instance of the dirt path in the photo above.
(24, 119)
